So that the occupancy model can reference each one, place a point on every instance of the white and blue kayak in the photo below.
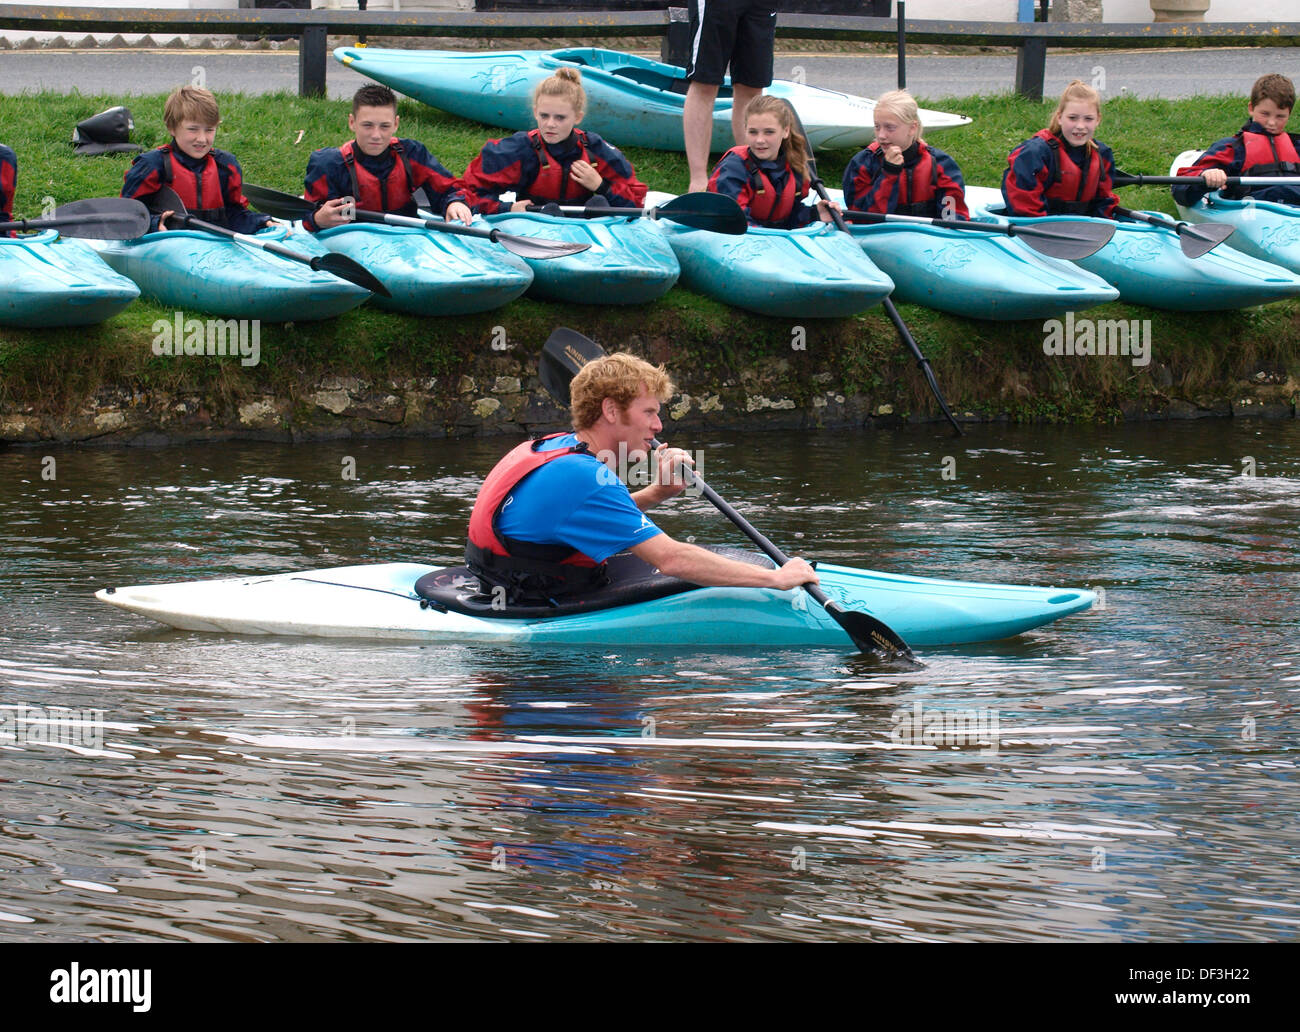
(640, 607)
(1264, 230)
(633, 100)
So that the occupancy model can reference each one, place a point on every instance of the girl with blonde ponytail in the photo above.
(557, 161)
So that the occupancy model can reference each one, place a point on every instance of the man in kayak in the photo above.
(736, 33)
(1262, 147)
(8, 177)
(208, 181)
(552, 511)
(378, 170)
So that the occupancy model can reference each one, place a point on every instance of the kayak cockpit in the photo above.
(643, 72)
(455, 589)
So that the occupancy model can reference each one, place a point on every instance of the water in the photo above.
(1139, 785)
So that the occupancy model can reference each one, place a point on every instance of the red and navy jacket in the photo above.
(211, 188)
(1252, 152)
(526, 569)
(919, 186)
(8, 177)
(385, 183)
(770, 192)
(1046, 176)
(539, 172)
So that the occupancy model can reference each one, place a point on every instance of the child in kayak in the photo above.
(1262, 147)
(768, 175)
(380, 172)
(208, 181)
(8, 177)
(1062, 170)
(899, 173)
(555, 163)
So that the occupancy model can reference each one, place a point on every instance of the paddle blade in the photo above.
(277, 203)
(566, 351)
(869, 634)
(1196, 240)
(702, 210)
(1071, 240)
(166, 199)
(103, 218)
(343, 267)
(532, 247)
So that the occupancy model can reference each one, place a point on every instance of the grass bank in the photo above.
(444, 372)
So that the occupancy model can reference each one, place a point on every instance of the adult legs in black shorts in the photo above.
(739, 33)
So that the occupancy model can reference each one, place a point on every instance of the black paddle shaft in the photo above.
(867, 632)
(904, 334)
(567, 351)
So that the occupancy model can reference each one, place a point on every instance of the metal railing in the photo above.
(311, 28)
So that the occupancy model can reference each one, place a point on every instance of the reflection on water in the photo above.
(289, 789)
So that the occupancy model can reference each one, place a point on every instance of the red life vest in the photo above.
(525, 569)
(1269, 155)
(552, 182)
(393, 194)
(767, 206)
(914, 199)
(201, 194)
(1070, 190)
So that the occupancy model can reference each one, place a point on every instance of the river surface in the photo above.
(1141, 785)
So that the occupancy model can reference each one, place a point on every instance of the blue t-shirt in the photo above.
(575, 501)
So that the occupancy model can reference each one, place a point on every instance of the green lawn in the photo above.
(273, 136)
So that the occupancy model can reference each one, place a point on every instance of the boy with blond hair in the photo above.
(208, 181)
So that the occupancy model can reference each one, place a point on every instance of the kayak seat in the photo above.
(657, 80)
(631, 580)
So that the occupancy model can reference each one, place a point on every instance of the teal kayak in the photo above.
(976, 275)
(1147, 266)
(194, 271)
(628, 262)
(57, 281)
(382, 601)
(1263, 229)
(630, 100)
(431, 273)
(811, 273)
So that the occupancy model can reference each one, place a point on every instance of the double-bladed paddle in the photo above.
(700, 210)
(900, 327)
(339, 265)
(1130, 179)
(1071, 240)
(97, 218)
(288, 206)
(1195, 240)
(567, 351)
